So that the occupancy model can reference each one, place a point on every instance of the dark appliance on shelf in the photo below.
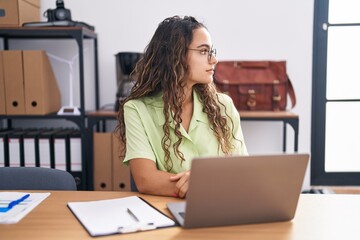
(125, 64)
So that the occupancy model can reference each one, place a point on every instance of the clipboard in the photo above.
(119, 216)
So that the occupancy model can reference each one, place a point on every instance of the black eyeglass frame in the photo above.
(211, 52)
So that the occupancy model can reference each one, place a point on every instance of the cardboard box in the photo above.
(110, 174)
(16, 12)
(102, 147)
(29, 83)
(42, 94)
(14, 83)
(120, 172)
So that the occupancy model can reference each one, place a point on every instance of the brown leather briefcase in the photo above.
(255, 85)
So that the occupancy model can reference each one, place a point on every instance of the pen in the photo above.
(132, 215)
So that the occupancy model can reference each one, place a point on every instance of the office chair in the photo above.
(35, 178)
(133, 186)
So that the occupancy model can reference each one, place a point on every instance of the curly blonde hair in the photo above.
(163, 68)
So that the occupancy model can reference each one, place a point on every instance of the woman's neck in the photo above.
(187, 109)
(188, 96)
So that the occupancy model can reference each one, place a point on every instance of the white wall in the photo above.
(241, 29)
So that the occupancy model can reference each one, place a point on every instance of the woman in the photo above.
(174, 113)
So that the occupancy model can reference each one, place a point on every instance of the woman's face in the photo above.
(201, 65)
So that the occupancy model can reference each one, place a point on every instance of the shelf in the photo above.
(76, 33)
(268, 115)
(286, 117)
(46, 32)
(79, 34)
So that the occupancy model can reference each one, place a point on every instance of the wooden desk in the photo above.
(319, 216)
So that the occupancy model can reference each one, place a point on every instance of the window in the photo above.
(335, 135)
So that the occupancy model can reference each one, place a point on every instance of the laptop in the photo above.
(241, 190)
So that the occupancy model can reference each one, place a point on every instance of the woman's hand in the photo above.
(182, 184)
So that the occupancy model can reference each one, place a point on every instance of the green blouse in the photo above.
(144, 120)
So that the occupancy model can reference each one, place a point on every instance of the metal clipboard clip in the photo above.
(138, 226)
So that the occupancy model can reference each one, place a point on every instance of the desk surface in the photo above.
(319, 216)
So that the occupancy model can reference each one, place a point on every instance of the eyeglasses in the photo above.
(210, 53)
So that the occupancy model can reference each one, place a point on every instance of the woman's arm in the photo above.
(150, 180)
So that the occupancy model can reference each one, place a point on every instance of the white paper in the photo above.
(19, 211)
(107, 216)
